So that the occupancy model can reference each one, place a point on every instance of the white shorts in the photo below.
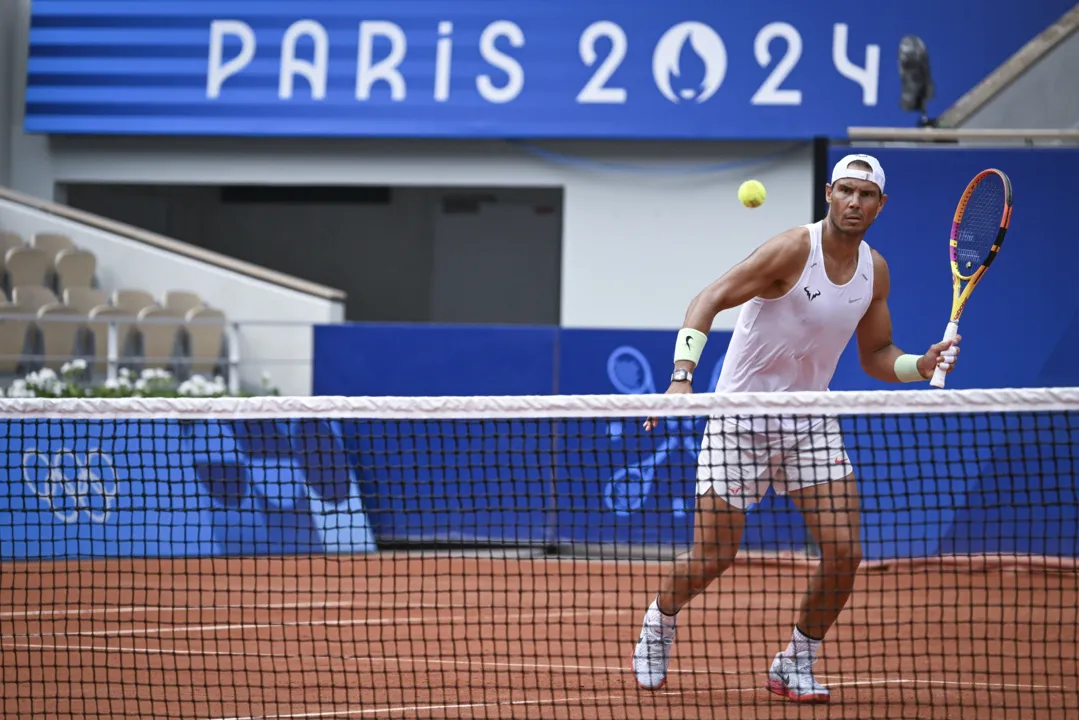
(740, 464)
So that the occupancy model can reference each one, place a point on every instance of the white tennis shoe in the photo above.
(653, 652)
(793, 679)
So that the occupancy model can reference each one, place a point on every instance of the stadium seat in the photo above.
(52, 244)
(161, 342)
(206, 340)
(33, 297)
(84, 299)
(181, 300)
(9, 240)
(59, 341)
(133, 301)
(74, 268)
(13, 336)
(26, 266)
(97, 342)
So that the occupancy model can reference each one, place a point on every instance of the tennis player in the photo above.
(803, 293)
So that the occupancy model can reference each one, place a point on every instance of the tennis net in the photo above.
(495, 556)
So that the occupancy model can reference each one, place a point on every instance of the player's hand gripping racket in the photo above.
(978, 229)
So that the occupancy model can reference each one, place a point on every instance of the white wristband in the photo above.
(689, 345)
(906, 368)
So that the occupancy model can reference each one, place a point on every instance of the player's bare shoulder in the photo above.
(787, 254)
(882, 280)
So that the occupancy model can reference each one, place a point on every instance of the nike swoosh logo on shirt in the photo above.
(853, 300)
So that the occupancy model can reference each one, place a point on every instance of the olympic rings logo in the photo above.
(72, 484)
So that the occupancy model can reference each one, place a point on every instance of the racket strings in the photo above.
(980, 224)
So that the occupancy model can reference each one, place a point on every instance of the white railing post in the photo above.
(233, 334)
(112, 352)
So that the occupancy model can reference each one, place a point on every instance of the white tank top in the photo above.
(793, 342)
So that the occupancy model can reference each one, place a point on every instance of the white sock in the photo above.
(668, 621)
(802, 644)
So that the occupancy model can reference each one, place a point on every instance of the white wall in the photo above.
(637, 245)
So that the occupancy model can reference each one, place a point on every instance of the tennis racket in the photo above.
(978, 228)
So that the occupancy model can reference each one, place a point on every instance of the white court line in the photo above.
(834, 680)
(597, 669)
(197, 629)
(152, 609)
(464, 706)
(556, 701)
(138, 651)
(952, 683)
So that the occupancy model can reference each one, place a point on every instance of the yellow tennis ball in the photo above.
(751, 193)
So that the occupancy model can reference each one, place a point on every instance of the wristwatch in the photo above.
(681, 375)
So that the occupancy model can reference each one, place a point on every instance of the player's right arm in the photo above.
(768, 272)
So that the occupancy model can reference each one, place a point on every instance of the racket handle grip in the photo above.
(939, 374)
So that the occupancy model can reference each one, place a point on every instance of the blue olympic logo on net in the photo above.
(630, 487)
(72, 484)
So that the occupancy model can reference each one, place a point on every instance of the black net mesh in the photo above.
(467, 558)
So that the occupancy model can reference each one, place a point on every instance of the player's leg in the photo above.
(719, 520)
(832, 516)
(717, 533)
(822, 485)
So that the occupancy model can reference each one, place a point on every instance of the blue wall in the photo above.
(1021, 326)
(168, 488)
(609, 482)
(979, 483)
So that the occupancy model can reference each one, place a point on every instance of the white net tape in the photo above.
(888, 402)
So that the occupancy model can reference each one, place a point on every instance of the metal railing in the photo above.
(968, 136)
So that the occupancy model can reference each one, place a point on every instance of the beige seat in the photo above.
(75, 268)
(13, 336)
(205, 340)
(160, 340)
(98, 336)
(133, 301)
(52, 243)
(181, 300)
(9, 240)
(84, 299)
(59, 340)
(26, 266)
(33, 297)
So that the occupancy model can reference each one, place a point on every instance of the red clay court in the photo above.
(441, 635)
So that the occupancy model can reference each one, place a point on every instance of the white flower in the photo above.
(18, 389)
(125, 372)
(78, 364)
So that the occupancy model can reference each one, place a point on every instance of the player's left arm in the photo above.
(877, 351)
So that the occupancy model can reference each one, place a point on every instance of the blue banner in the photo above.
(159, 488)
(510, 69)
